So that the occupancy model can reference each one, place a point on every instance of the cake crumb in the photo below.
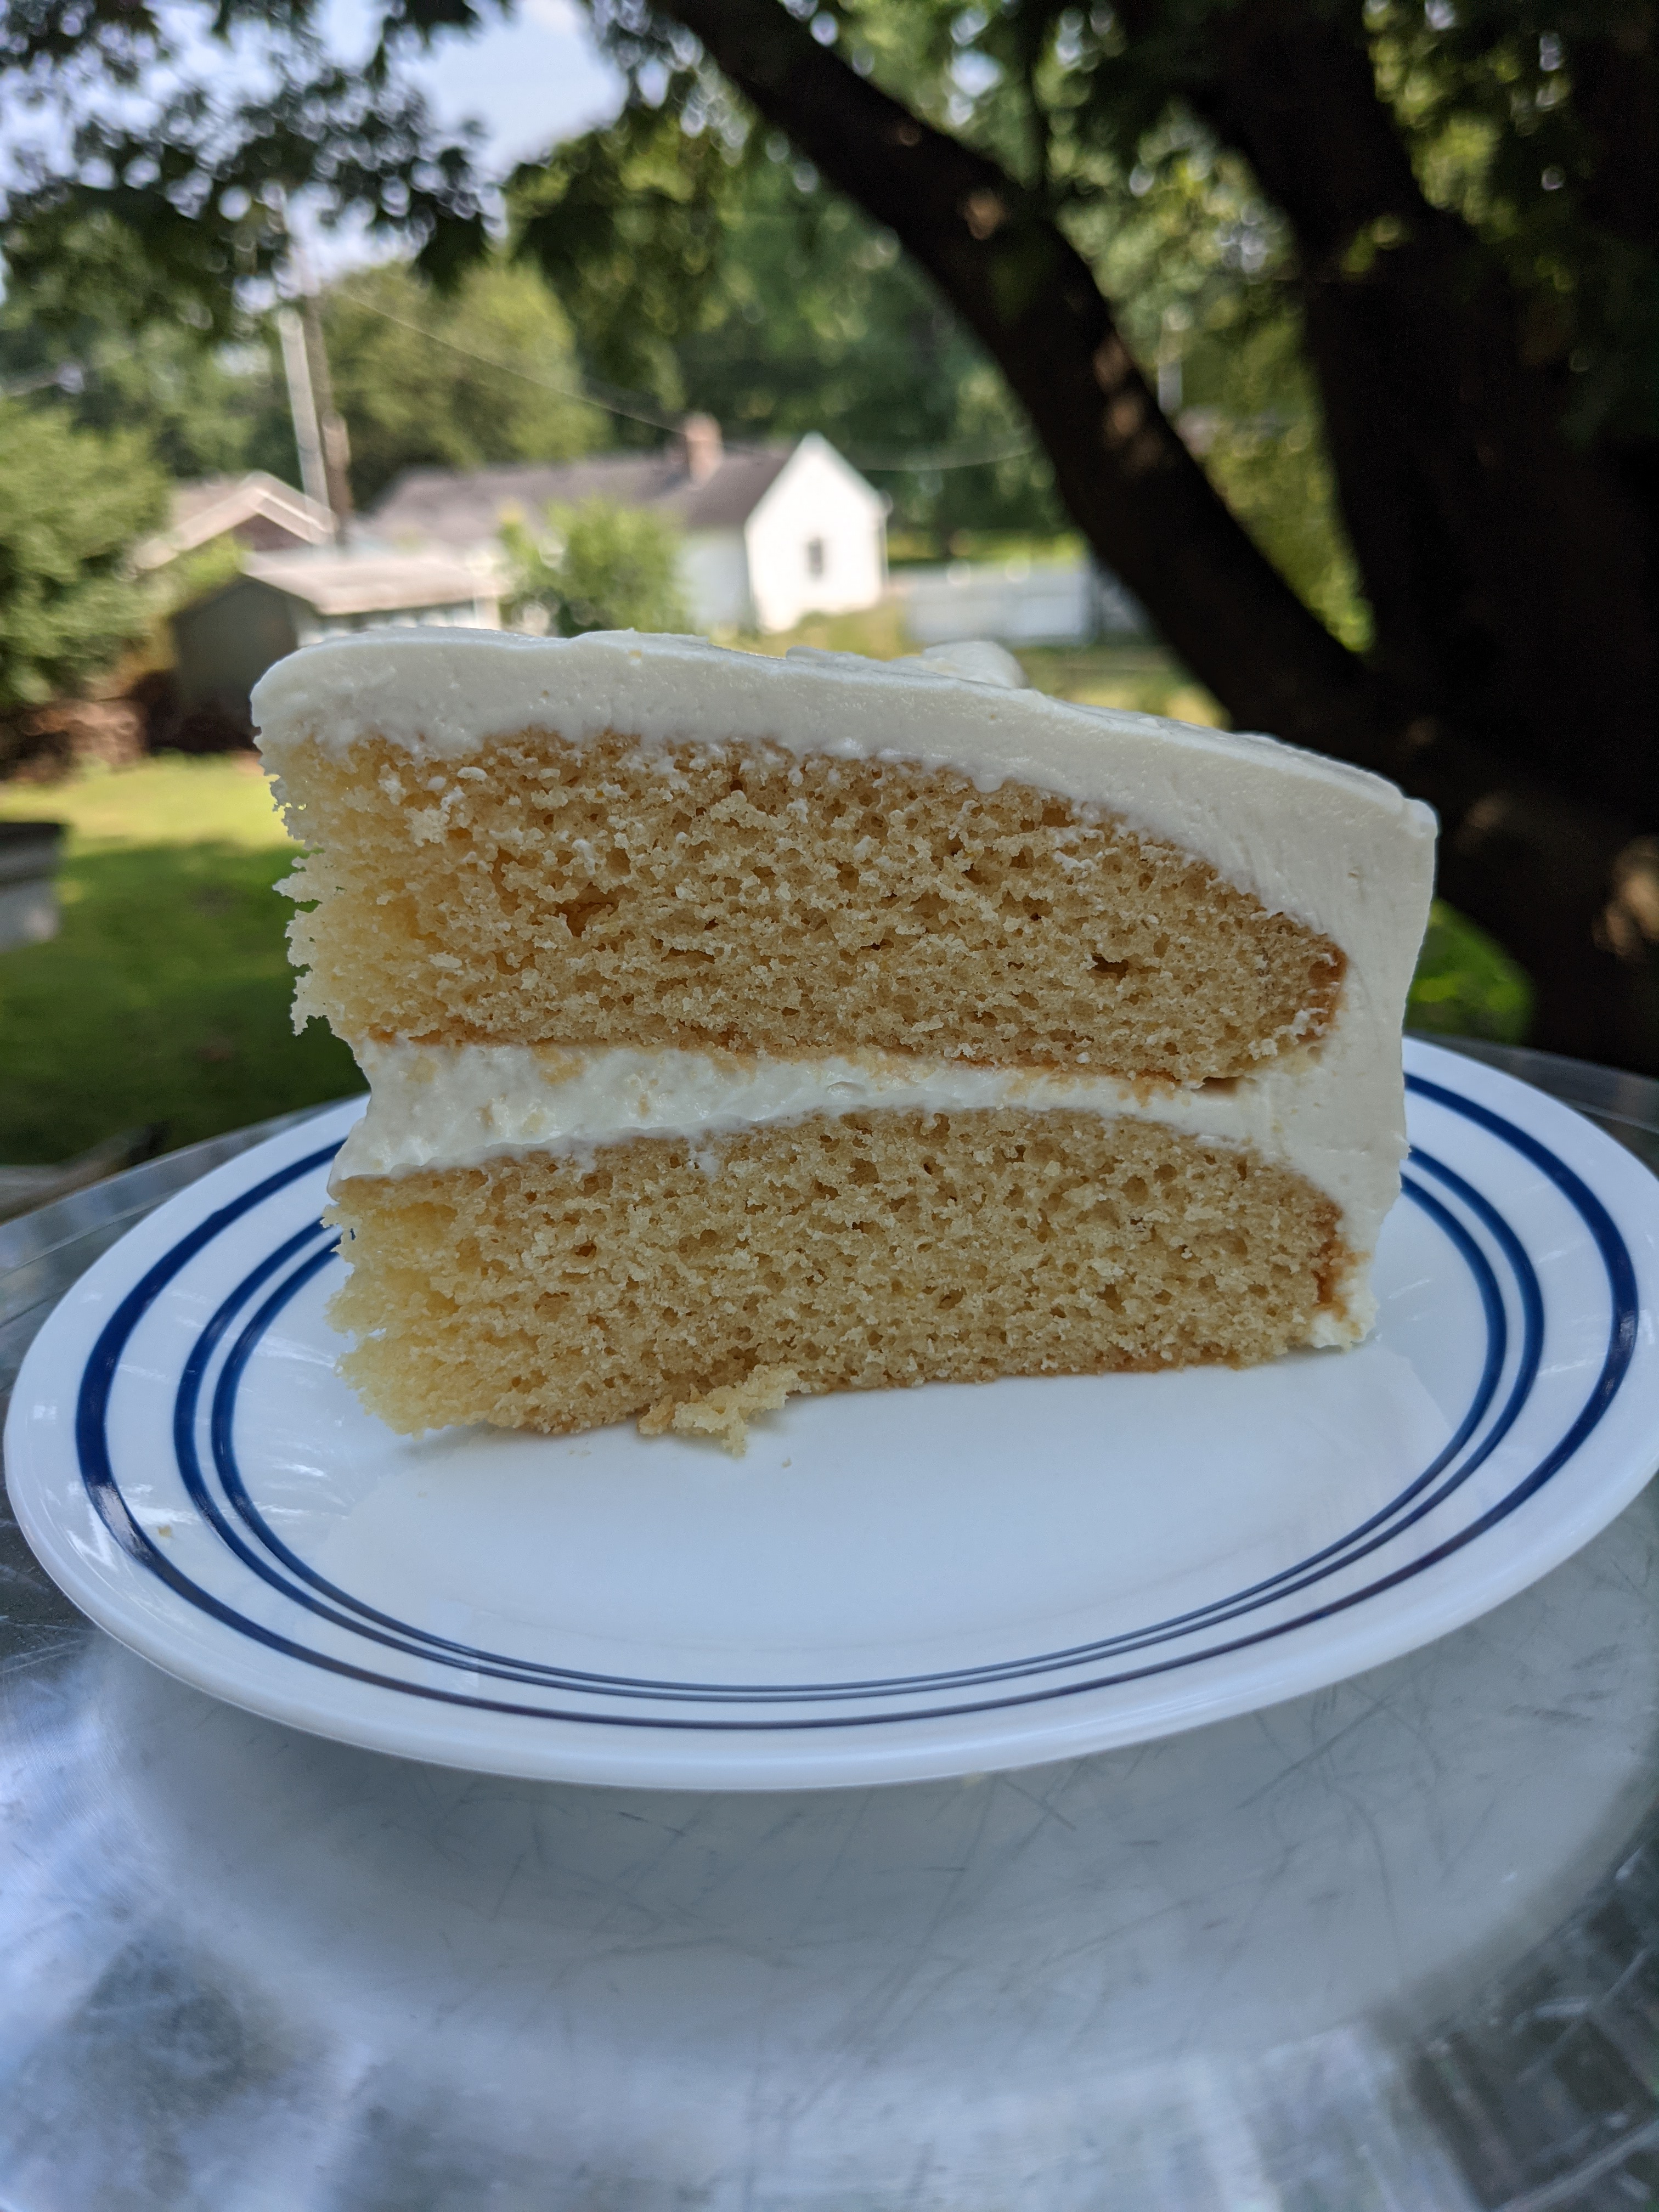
(723, 1415)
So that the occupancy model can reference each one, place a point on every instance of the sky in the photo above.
(530, 79)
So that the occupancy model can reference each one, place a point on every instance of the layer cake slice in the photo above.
(737, 1025)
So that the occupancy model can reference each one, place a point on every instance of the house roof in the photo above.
(211, 506)
(369, 583)
(467, 506)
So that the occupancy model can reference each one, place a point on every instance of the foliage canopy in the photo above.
(206, 408)
(72, 504)
(481, 373)
(1423, 235)
(599, 566)
(730, 280)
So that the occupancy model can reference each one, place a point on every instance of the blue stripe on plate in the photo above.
(98, 1473)
(442, 1651)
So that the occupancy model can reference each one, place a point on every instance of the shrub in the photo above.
(603, 567)
(1465, 984)
(72, 505)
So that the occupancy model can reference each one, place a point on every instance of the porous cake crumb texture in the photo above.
(560, 1293)
(736, 896)
(723, 1416)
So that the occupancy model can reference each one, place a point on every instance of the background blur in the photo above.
(1290, 366)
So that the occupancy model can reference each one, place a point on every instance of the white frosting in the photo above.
(1343, 852)
(447, 1106)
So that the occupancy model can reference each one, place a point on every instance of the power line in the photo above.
(917, 462)
(653, 420)
(931, 464)
(70, 377)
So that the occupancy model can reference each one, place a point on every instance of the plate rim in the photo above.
(1380, 1527)
(631, 1752)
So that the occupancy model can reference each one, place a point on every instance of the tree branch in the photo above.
(1572, 888)
(1511, 577)
(1136, 492)
(1615, 91)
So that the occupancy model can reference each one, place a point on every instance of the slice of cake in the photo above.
(737, 1025)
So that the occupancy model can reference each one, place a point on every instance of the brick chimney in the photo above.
(700, 435)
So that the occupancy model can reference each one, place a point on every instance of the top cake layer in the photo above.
(643, 841)
(1293, 829)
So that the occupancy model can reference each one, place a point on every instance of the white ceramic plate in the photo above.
(890, 1586)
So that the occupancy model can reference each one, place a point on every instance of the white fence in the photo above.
(1017, 602)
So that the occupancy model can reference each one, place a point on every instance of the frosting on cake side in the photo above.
(1296, 829)
(1342, 852)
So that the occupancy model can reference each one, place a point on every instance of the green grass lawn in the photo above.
(165, 998)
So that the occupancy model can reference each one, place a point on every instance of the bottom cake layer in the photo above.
(560, 1293)
(569, 1290)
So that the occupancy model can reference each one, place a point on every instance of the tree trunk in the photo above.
(1570, 887)
(1509, 574)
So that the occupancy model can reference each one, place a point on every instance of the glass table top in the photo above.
(1392, 1945)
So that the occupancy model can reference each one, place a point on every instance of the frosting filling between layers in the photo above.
(1340, 851)
(456, 1106)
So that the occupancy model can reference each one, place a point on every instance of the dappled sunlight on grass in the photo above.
(1132, 673)
(877, 632)
(173, 801)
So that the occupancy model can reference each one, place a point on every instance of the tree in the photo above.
(602, 566)
(715, 271)
(72, 505)
(205, 407)
(1505, 541)
(729, 280)
(483, 374)
(1468, 200)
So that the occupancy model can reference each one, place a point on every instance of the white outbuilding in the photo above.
(224, 641)
(768, 533)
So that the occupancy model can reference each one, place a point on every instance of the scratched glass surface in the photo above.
(1389, 1945)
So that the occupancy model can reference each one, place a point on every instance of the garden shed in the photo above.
(224, 643)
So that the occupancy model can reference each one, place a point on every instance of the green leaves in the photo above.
(425, 379)
(114, 37)
(603, 567)
(1465, 984)
(630, 225)
(72, 504)
(711, 269)
(185, 207)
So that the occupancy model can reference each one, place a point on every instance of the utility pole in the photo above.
(302, 406)
(335, 444)
(320, 430)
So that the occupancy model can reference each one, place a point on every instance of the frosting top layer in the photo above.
(1260, 812)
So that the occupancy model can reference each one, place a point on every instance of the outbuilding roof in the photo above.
(212, 506)
(369, 583)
